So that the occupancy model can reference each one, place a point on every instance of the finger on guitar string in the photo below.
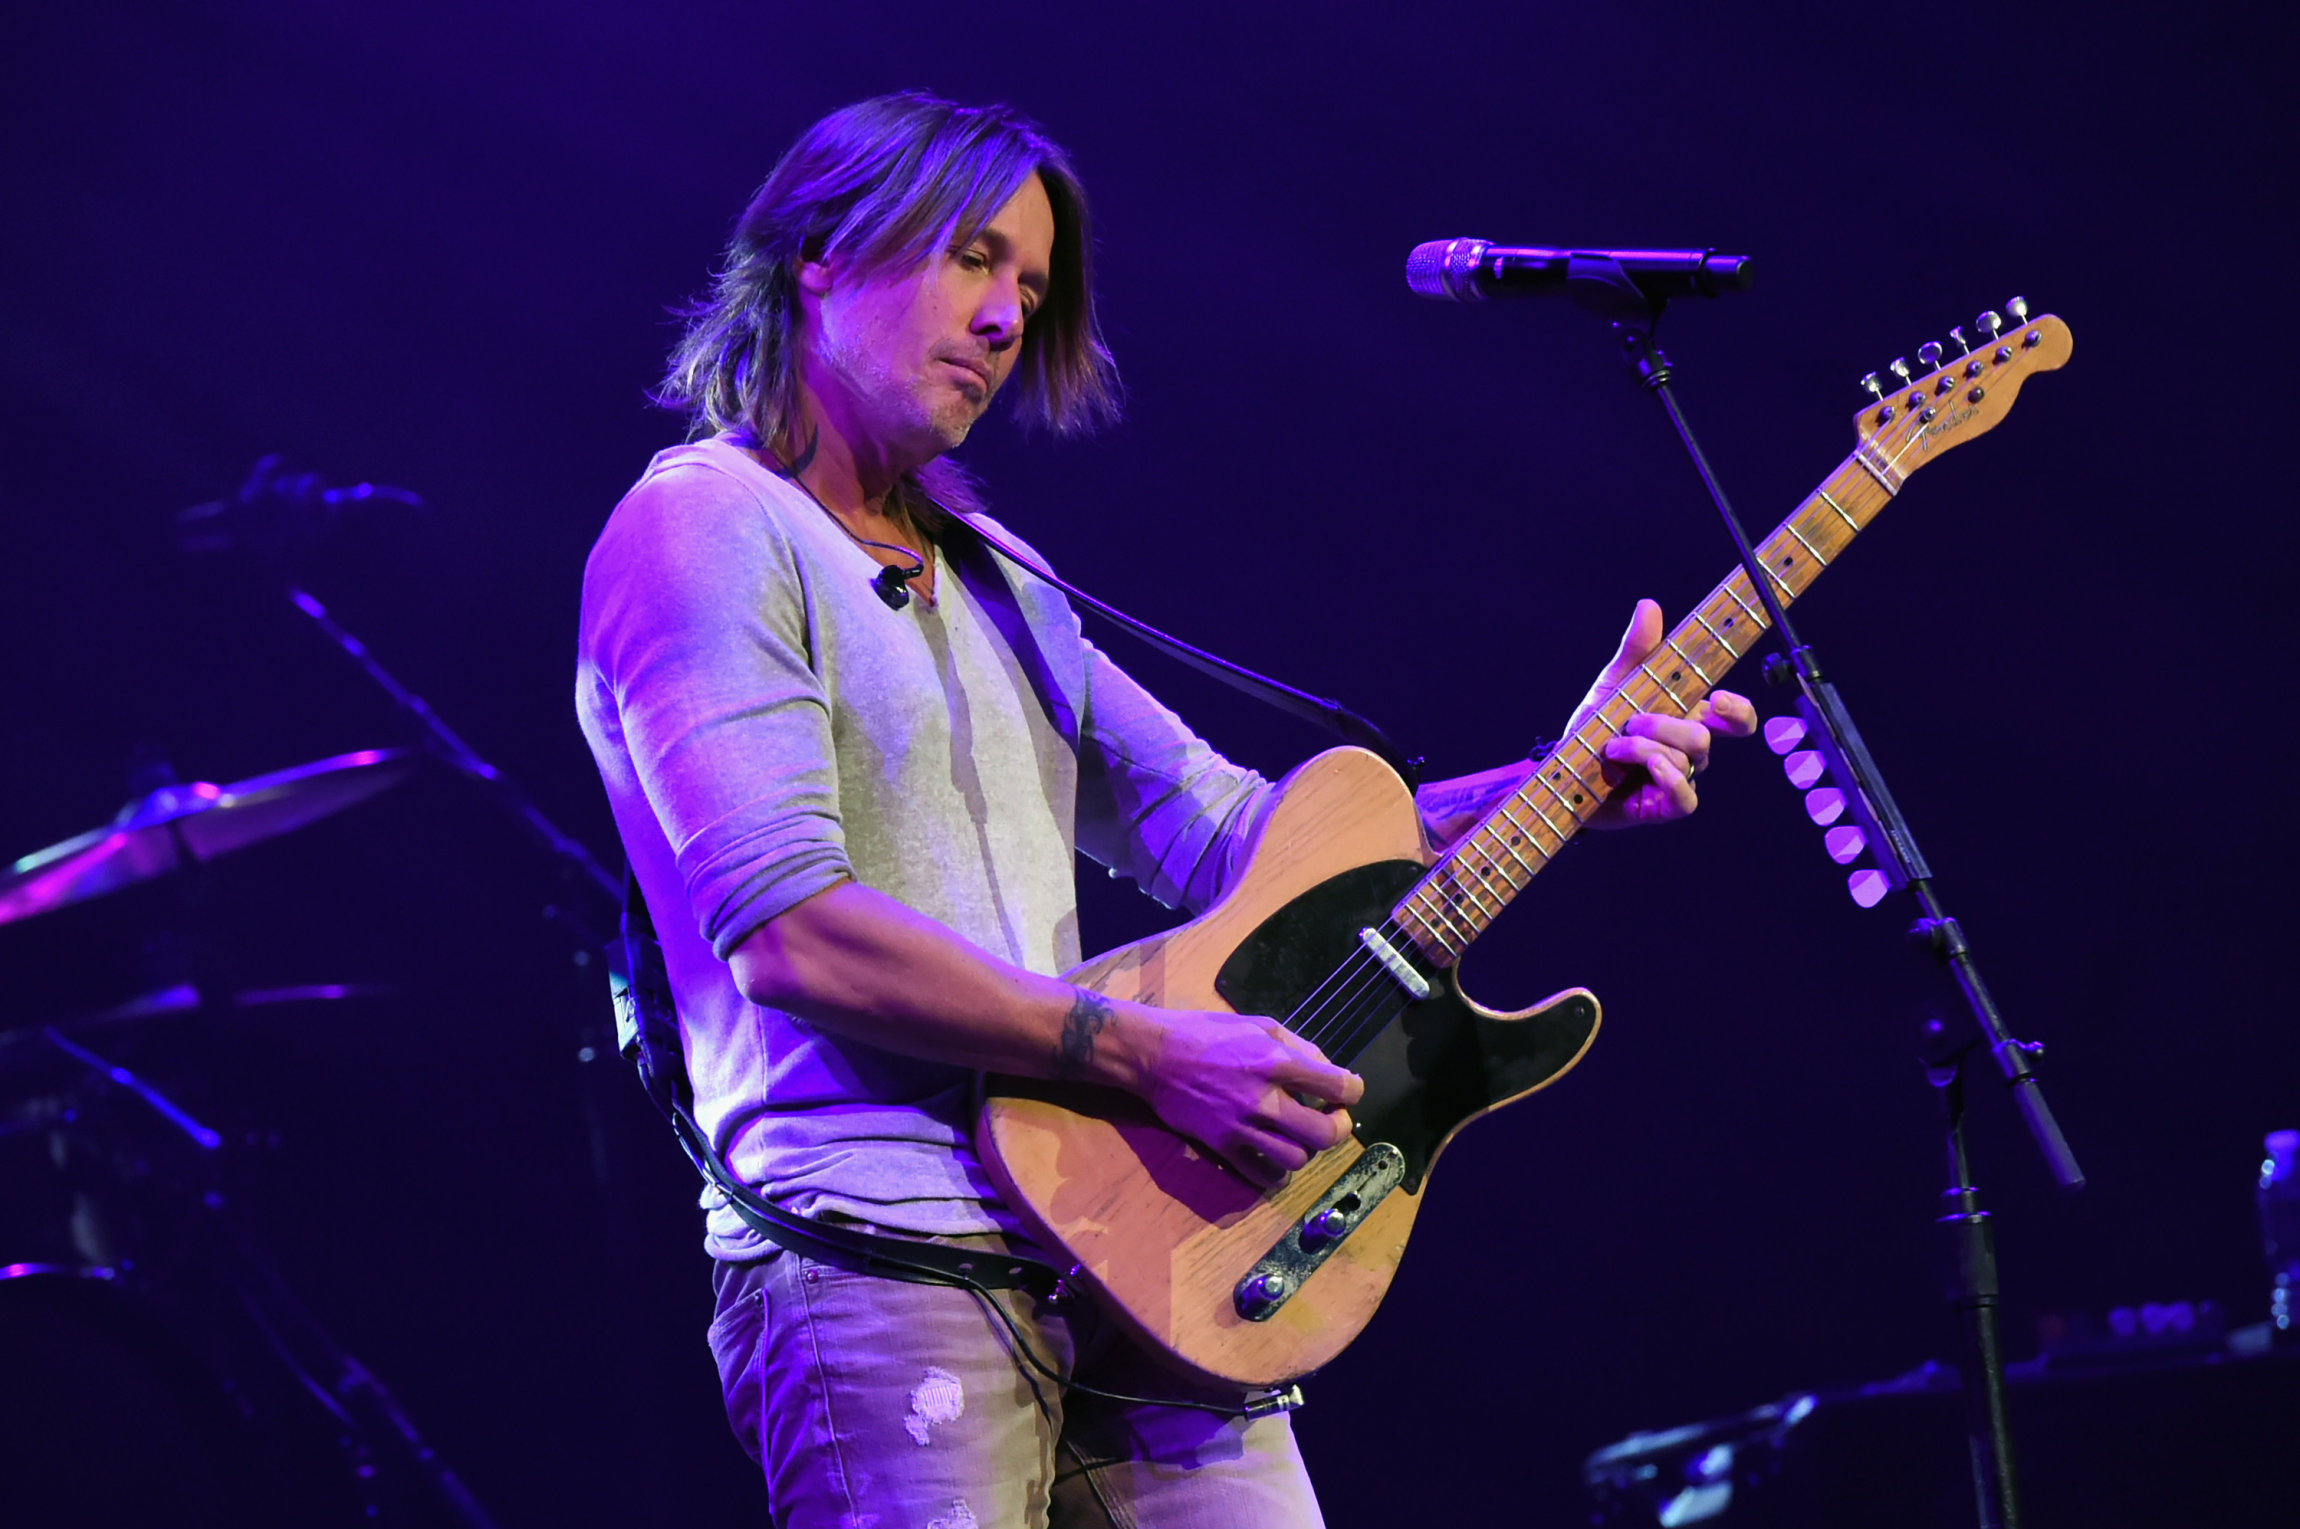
(1285, 1037)
(1230, 1082)
(1655, 785)
(1635, 753)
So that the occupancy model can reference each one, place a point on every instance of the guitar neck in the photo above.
(1465, 891)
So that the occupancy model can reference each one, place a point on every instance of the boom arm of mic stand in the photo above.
(444, 742)
(1601, 286)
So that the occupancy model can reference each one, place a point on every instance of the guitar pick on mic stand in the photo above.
(1602, 282)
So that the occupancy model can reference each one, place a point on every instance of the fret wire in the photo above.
(1445, 912)
(1713, 632)
(1511, 849)
(1479, 883)
(1737, 600)
(1428, 937)
(1690, 664)
(1431, 940)
(1466, 874)
(1849, 521)
(1570, 810)
(1529, 834)
(1663, 687)
(1863, 456)
(1494, 868)
(1787, 592)
(1790, 526)
(1465, 899)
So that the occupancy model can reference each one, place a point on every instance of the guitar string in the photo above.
(1362, 1013)
(1349, 1022)
(1329, 1021)
(1323, 1017)
(1346, 1010)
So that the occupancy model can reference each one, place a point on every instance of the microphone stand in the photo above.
(1599, 284)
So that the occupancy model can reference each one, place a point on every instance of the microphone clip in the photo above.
(892, 584)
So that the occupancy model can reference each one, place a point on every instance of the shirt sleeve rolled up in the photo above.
(695, 616)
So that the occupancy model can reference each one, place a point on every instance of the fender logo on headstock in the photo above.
(1953, 403)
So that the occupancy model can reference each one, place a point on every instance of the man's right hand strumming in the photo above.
(861, 964)
(1236, 1084)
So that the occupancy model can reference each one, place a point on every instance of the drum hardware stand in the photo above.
(1599, 284)
(363, 1410)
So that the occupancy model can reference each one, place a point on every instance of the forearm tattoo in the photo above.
(1446, 803)
(1074, 1052)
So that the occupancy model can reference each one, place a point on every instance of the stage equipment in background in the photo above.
(1910, 420)
(2279, 1202)
(158, 1367)
(2188, 1427)
(280, 511)
(1345, 927)
(181, 824)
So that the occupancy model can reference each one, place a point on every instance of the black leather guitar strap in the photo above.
(1318, 711)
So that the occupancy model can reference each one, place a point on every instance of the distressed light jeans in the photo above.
(875, 1404)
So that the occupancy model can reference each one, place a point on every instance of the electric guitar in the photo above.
(1348, 928)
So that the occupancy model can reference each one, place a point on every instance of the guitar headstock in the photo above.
(1916, 418)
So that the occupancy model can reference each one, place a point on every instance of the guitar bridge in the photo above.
(1312, 1240)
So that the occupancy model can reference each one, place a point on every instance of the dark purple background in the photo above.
(432, 245)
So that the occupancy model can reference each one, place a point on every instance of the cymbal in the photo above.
(183, 998)
(198, 821)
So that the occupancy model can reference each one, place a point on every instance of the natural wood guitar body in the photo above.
(1161, 1231)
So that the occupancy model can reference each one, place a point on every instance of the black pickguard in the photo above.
(1431, 1064)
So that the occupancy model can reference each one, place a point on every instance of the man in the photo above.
(855, 815)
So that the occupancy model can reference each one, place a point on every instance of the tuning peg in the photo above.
(2018, 308)
(1900, 369)
(1784, 733)
(1929, 354)
(1964, 346)
(1875, 387)
(1990, 322)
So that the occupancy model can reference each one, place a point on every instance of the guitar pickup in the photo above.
(1312, 1240)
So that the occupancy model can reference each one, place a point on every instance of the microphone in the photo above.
(278, 510)
(1472, 270)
